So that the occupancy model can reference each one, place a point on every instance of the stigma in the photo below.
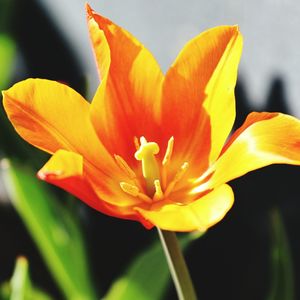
(146, 153)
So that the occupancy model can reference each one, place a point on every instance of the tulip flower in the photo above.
(152, 147)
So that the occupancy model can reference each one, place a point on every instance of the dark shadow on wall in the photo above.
(233, 260)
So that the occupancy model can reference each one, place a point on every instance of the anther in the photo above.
(129, 188)
(136, 143)
(181, 171)
(134, 191)
(124, 167)
(169, 151)
(177, 178)
(158, 191)
(166, 161)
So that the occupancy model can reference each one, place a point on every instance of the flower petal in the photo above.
(52, 116)
(264, 139)
(65, 169)
(220, 99)
(198, 215)
(129, 94)
(198, 106)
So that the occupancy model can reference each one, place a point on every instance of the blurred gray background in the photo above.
(271, 30)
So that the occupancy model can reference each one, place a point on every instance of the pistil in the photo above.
(150, 167)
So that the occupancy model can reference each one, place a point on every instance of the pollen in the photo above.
(134, 191)
(158, 191)
(166, 161)
(169, 151)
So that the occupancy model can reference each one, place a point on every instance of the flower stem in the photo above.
(177, 266)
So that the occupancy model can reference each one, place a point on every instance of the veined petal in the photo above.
(264, 139)
(65, 169)
(198, 215)
(52, 116)
(198, 106)
(128, 97)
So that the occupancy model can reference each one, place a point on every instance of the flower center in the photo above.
(155, 176)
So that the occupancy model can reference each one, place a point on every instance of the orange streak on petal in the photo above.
(198, 215)
(99, 44)
(127, 101)
(193, 110)
(52, 116)
(264, 139)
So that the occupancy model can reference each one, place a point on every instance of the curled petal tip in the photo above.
(46, 175)
(89, 10)
(42, 175)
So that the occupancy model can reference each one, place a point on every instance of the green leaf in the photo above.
(282, 273)
(20, 286)
(148, 276)
(7, 55)
(53, 228)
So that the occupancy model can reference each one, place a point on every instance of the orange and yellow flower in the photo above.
(151, 147)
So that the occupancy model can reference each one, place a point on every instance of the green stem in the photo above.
(178, 269)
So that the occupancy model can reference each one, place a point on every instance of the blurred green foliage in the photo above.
(282, 272)
(7, 56)
(53, 228)
(148, 276)
(20, 286)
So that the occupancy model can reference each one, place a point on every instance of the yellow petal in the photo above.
(220, 99)
(52, 116)
(198, 106)
(264, 139)
(129, 94)
(199, 215)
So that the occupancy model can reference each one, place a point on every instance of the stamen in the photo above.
(149, 164)
(125, 167)
(206, 174)
(166, 161)
(158, 191)
(129, 188)
(143, 140)
(136, 143)
(177, 178)
(134, 191)
(169, 151)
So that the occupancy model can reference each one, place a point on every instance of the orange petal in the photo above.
(129, 94)
(52, 116)
(198, 215)
(198, 105)
(264, 139)
(65, 169)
